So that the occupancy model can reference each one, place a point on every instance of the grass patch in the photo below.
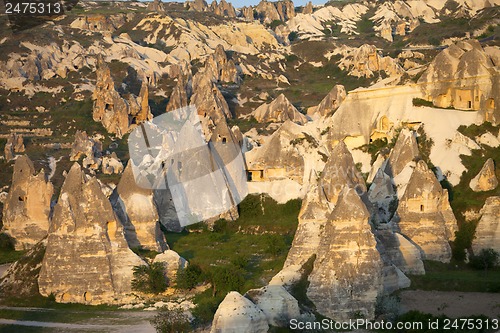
(456, 277)
(8, 256)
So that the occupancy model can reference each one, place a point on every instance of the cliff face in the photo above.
(488, 228)
(87, 259)
(27, 207)
(137, 212)
(347, 274)
(424, 215)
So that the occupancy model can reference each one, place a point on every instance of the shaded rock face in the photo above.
(464, 76)
(15, 144)
(276, 303)
(118, 115)
(424, 215)
(167, 214)
(381, 195)
(87, 259)
(347, 274)
(401, 252)
(136, 210)
(247, 13)
(26, 210)
(405, 151)
(488, 227)
(330, 103)
(238, 314)
(485, 180)
(340, 172)
(88, 147)
(279, 110)
(198, 5)
(21, 279)
(222, 68)
(99, 23)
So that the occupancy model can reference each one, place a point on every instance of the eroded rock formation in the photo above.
(86, 147)
(485, 180)
(26, 210)
(488, 227)
(330, 103)
(87, 259)
(238, 314)
(15, 144)
(222, 68)
(279, 110)
(424, 215)
(136, 210)
(347, 274)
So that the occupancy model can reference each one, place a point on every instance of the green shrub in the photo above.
(150, 278)
(422, 102)
(6, 242)
(171, 321)
(276, 23)
(189, 277)
(487, 258)
(292, 36)
(226, 278)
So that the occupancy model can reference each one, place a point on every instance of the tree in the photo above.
(189, 277)
(150, 278)
(487, 258)
(171, 321)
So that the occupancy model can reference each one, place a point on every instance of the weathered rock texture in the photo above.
(91, 149)
(340, 172)
(330, 103)
(111, 164)
(464, 76)
(405, 151)
(223, 8)
(424, 215)
(172, 263)
(15, 144)
(156, 6)
(136, 210)
(268, 12)
(347, 274)
(222, 68)
(485, 180)
(308, 9)
(488, 228)
(26, 210)
(87, 259)
(365, 61)
(238, 314)
(279, 110)
(276, 303)
(118, 115)
(179, 96)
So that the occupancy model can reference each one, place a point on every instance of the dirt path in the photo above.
(100, 321)
(451, 303)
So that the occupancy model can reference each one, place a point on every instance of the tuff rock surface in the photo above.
(26, 210)
(279, 110)
(136, 210)
(424, 215)
(87, 259)
(15, 144)
(347, 274)
(330, 103)
(486, 179)
(238, 314)
(488, 227)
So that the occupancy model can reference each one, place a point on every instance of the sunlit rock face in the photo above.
(347, 274)
(87, 259)
(26, 210)
(279, 110)
(488, 227)
(330, 103)
(136, 209)
(238, 314)
(424, 215)
(464, 76)
(118, 115)
(485, 180)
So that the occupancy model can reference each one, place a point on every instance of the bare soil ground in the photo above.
(453, 304)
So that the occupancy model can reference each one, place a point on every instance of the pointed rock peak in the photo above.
(405, 151)
(23, 167)
(74, 179)
(349, 207)
(422, 182)
(486, 179)
(222, 133)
